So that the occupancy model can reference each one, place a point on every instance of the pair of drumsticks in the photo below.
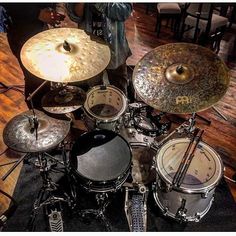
(187, 158)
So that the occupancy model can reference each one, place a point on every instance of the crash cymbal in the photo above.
(180, 78)
(20, 135)
(63, 100)
(65, 55)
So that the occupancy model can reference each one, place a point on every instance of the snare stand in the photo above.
(102, 202)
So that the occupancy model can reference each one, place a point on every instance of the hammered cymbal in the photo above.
(63, 100)
(180, 78)
(65, 55)
(20, 136)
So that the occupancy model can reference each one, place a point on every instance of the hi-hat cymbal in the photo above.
(19, 134)
(63, 100)
(180, 78)
(65, 55)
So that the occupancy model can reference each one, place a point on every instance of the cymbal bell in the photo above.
(65, 55)
(180, 78)
(19, 133)
(63, 100)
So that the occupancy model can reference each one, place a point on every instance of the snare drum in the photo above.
(104, 107)
(193, 198)
(101, 160)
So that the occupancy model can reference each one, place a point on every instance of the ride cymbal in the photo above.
(20, 135)
(180, 78)
(63, 100)
(65, 55)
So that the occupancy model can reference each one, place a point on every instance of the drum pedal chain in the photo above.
(135, 208)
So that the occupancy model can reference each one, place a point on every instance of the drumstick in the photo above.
(181, 177)
(185, 158)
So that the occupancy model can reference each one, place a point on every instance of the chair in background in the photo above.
(168, 11)
(208, 27)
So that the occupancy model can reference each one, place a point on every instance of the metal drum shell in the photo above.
(93, 121)
(169, 198)
(169, 202)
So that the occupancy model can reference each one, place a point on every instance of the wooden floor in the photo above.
(221, 134)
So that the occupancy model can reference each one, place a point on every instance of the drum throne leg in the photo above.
(102, 202)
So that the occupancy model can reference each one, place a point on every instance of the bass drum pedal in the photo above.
(55, 218)
(136, 208)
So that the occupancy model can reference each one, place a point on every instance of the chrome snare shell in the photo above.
(104, 107)
(193, 198)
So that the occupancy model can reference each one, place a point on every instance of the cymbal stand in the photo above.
(192, 122)
(65, 146)
(102, 202)
(46, 196)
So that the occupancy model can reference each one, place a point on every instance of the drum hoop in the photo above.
(117, 185)
(196, 190)
(101, 119)
(127, 168)
(172, 215)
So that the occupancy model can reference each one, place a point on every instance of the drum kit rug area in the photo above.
(120, 150)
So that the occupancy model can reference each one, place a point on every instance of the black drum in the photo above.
(101, 159)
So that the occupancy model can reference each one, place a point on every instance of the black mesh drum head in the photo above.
(101, 155)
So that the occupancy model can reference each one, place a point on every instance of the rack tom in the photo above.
(104, 107)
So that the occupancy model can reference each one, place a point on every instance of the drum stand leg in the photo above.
(102, 202)
(45, 196)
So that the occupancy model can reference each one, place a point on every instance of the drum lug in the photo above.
(197, 217)
(89, 185)
(204, 195)
(168, 188)
(164, 211)
(153, 164)
(154, 186)
(145, 139)
(181, 212)
(97, 122)
(158, 183)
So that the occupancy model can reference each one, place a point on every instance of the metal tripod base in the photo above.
(45, 197)
(102, 202)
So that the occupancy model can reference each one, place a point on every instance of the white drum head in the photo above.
(105, 103)
(204, 172)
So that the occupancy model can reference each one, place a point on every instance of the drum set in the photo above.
(127, 146)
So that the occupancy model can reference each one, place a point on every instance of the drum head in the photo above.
(204, 172)
(106, 103)
(101, 155)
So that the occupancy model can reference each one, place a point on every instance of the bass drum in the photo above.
(104, 107)
(101, 160)
(142, 154)
(193, 198)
